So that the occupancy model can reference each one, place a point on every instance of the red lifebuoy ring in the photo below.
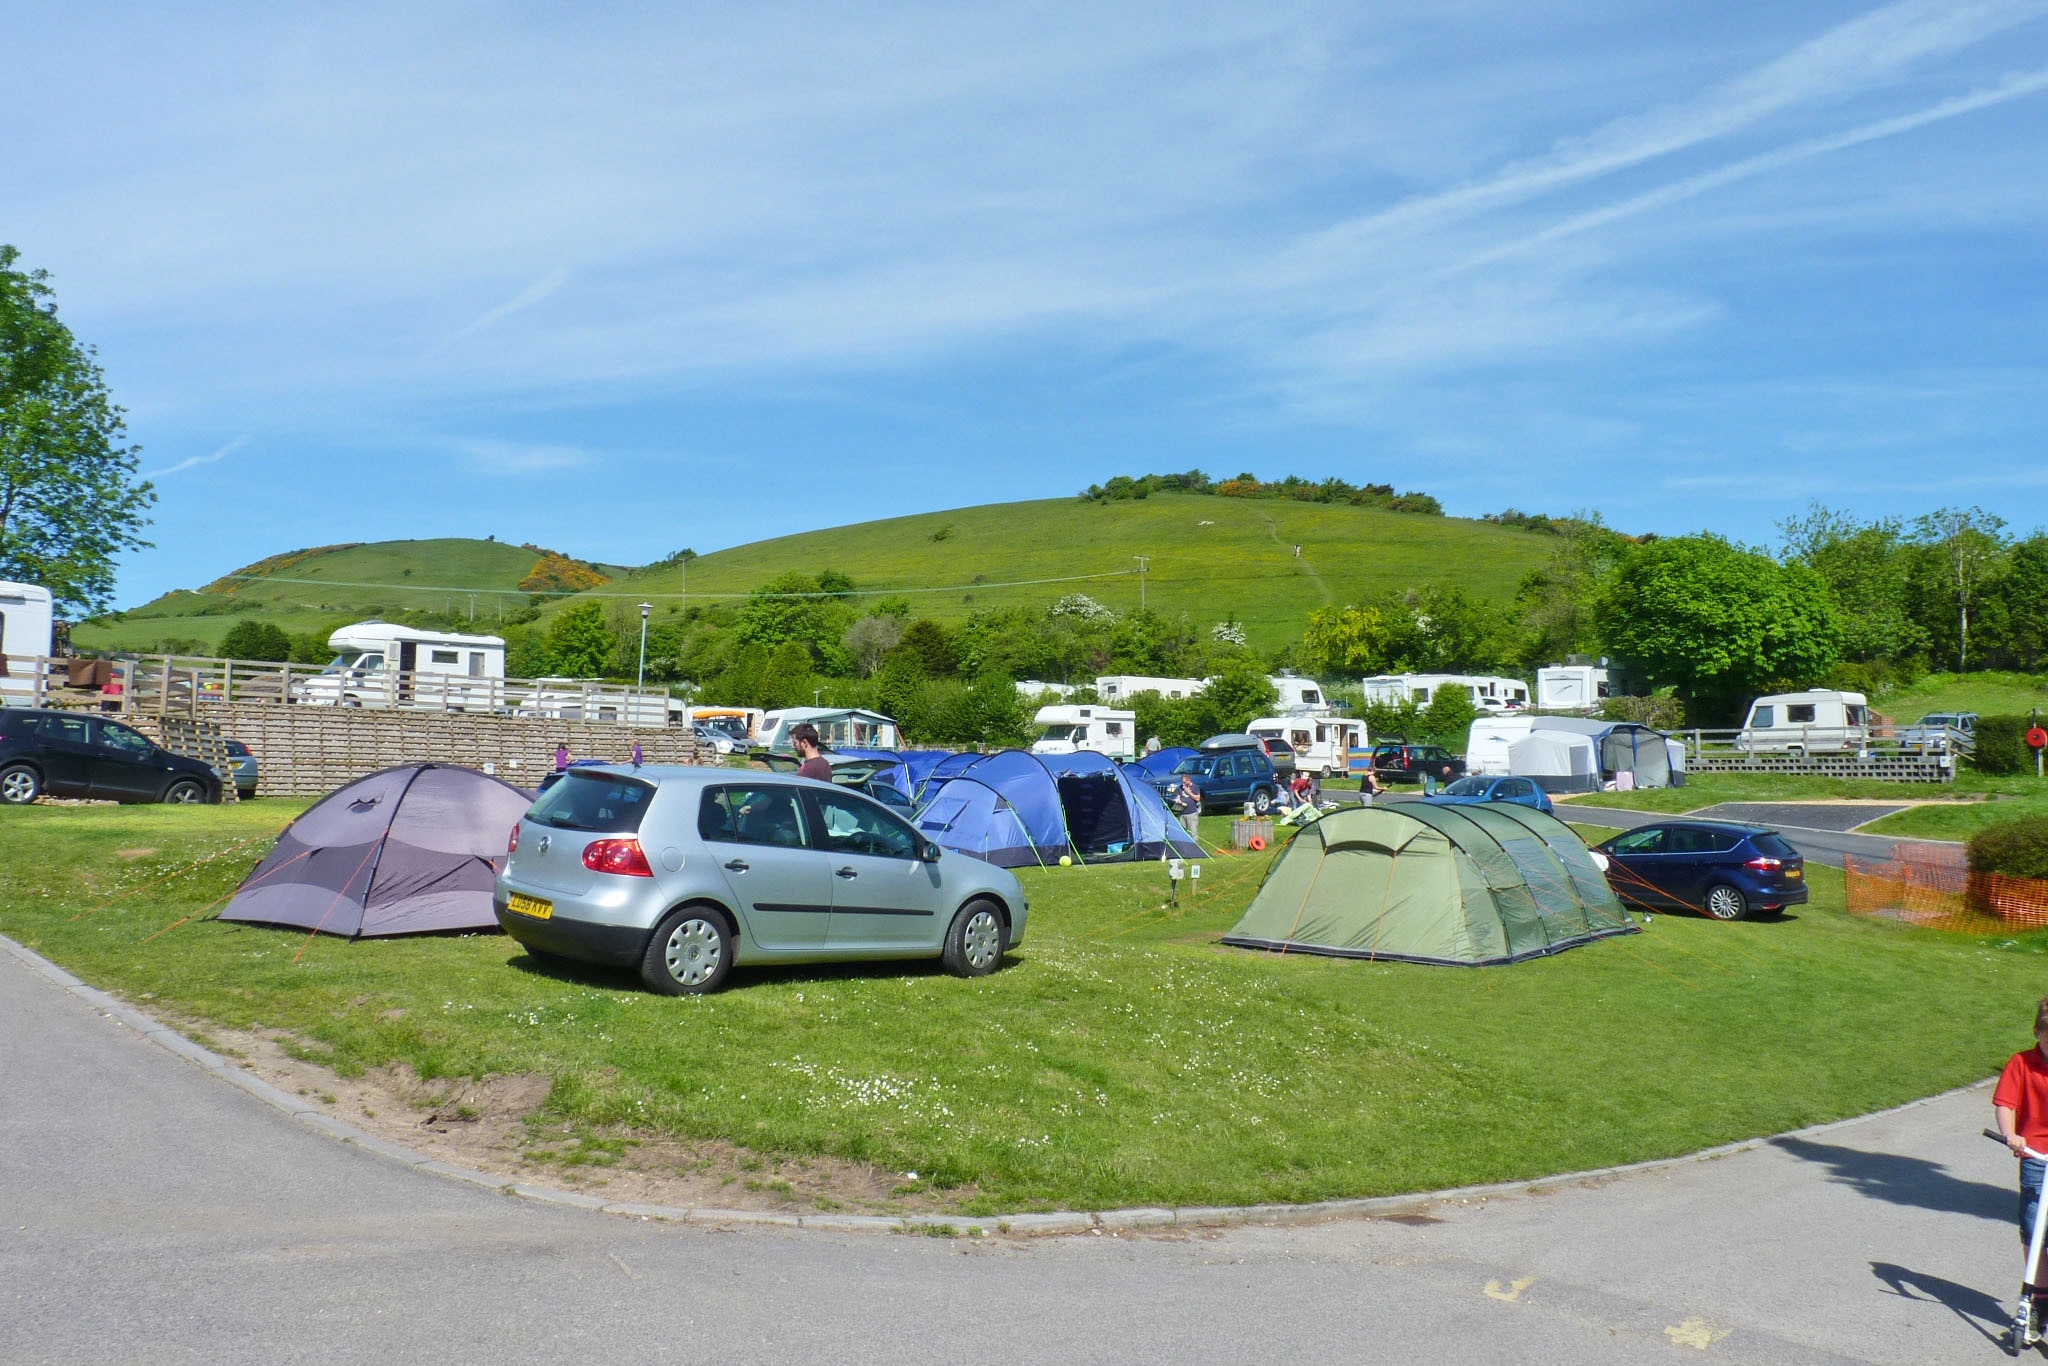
(1255, 843)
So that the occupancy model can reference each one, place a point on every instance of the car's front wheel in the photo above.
(975, 941)
(689, 952)
(184, 792)
(1726, 903)
(20, 785)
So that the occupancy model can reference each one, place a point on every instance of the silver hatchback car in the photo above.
(682, 872)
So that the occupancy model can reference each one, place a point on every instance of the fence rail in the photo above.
(1900, 754)
(191, 686)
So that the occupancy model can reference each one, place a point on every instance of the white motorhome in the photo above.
(1298, 694)
(1122, 687)
(1571, 687)
(377, 664)
(1491, 693)
(25, 638)
(838, 727)
(1322, 745)
(1098, 730)
(1818, 721)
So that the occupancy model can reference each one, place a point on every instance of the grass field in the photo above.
(1213, 558)
(1123, 1058)
(1987, 694)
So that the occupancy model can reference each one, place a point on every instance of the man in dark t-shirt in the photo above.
(803, 738)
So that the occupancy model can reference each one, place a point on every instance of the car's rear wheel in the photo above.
(184, 792)
(689, 952)
(975, 941)
(1726, 903)
(20, 785)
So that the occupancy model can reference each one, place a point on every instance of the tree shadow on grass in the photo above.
(1984, 1313)
(1901, 1180)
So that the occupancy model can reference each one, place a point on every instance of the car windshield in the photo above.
(1467, 787)
(1201, 766)
(731, 727)
(342, 661)
(593, 801)
(1061, 733)
(1940, 718)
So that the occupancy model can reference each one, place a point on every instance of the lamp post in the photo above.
(640, 683)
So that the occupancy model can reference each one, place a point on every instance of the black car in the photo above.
(1723, 868)
(1396, 762)
(75, 754)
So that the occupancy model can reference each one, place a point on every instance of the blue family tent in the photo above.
(1018, 810)
(1159, 763)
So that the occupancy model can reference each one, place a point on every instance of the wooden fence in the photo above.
(1884, 754)
(310, 751)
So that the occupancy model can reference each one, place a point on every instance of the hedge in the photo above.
(2002, 746)
(2017, 848)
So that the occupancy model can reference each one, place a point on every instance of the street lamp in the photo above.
(645, 609)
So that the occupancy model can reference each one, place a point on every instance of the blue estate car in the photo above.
(1720, 867)
(1477, 791)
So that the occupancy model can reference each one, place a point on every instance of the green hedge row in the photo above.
(2002, 746)
(2017, 848)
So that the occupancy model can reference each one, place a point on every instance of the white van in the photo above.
(1571, 687)
(1095, 730)
(1818, 721)
(377, 664)
(25, 638)
(1490, 693)
(1322, 745)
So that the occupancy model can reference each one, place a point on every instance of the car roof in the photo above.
(1738, 827)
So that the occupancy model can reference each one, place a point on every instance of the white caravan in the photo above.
(377, 664)
(1096, 730)
(1322, 745)
(1298, 694)
(838, 727)
(1122, 687)
(1571, 687)
(1034, 687)
(1819, 721)
(1491, 693)
(25, 638)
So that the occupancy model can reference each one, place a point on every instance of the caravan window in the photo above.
(445, 656)
(1763, 718)
(1311, 697)
(1855, 715)
(1113, 727)
(1799, 713)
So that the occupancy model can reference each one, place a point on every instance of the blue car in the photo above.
(1723, 868)
(1477, 791)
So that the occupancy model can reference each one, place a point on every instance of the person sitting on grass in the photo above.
(2021, 1105)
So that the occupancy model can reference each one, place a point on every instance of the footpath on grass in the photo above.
(310, 1114)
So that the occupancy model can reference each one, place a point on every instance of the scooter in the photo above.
(2023, 1333)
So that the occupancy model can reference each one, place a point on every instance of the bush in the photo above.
(2017, 848)
(1661, 710)
(258, 640)
(2002, 746)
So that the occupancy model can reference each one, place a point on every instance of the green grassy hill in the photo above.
(1213, 558)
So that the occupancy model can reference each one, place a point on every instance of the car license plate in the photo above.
(530, 905)
(1794, 874)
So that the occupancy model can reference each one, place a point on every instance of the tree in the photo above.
(70, 501)
(1448, 718)
(579, 643)
(257, 640)
(1867, 568)
(1716, 622)
(928, 640)
(869, 640)
(786, 681)
(1237, 696)
(1368, 638)
(1967, 545)
(2025, 593)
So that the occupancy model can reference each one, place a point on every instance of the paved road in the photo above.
(149, 1212)
(1818, 845)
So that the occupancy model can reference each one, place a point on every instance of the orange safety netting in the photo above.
(1931, 885)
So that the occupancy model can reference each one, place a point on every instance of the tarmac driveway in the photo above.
(150, 1212)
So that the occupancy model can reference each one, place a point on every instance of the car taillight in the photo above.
(512, 845)
(1764, 865)
(625, 857)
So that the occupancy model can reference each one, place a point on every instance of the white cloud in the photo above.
(195, 461)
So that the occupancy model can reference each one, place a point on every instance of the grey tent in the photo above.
(1410, 882)
(402, 851)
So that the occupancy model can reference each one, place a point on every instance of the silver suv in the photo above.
(681, 872)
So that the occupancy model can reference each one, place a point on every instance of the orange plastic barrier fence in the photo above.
(1930, 885)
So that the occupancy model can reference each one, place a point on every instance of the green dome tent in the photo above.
(1460, 885)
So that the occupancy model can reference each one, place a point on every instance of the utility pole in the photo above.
(1144, 563)
(641, 682)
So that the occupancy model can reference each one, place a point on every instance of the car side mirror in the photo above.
(930, 852)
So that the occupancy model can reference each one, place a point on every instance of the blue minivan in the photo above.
(1726, 869)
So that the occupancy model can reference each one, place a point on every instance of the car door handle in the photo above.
(738, 865)
(848, 872)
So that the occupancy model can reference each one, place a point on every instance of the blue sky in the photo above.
(623, 279)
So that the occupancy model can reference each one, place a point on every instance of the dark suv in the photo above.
(1226, 778)
(74, 754)
(1396, 762)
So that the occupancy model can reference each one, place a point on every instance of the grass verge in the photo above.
(1123, 1058)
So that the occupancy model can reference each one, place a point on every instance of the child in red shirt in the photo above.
(2021, 1104)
